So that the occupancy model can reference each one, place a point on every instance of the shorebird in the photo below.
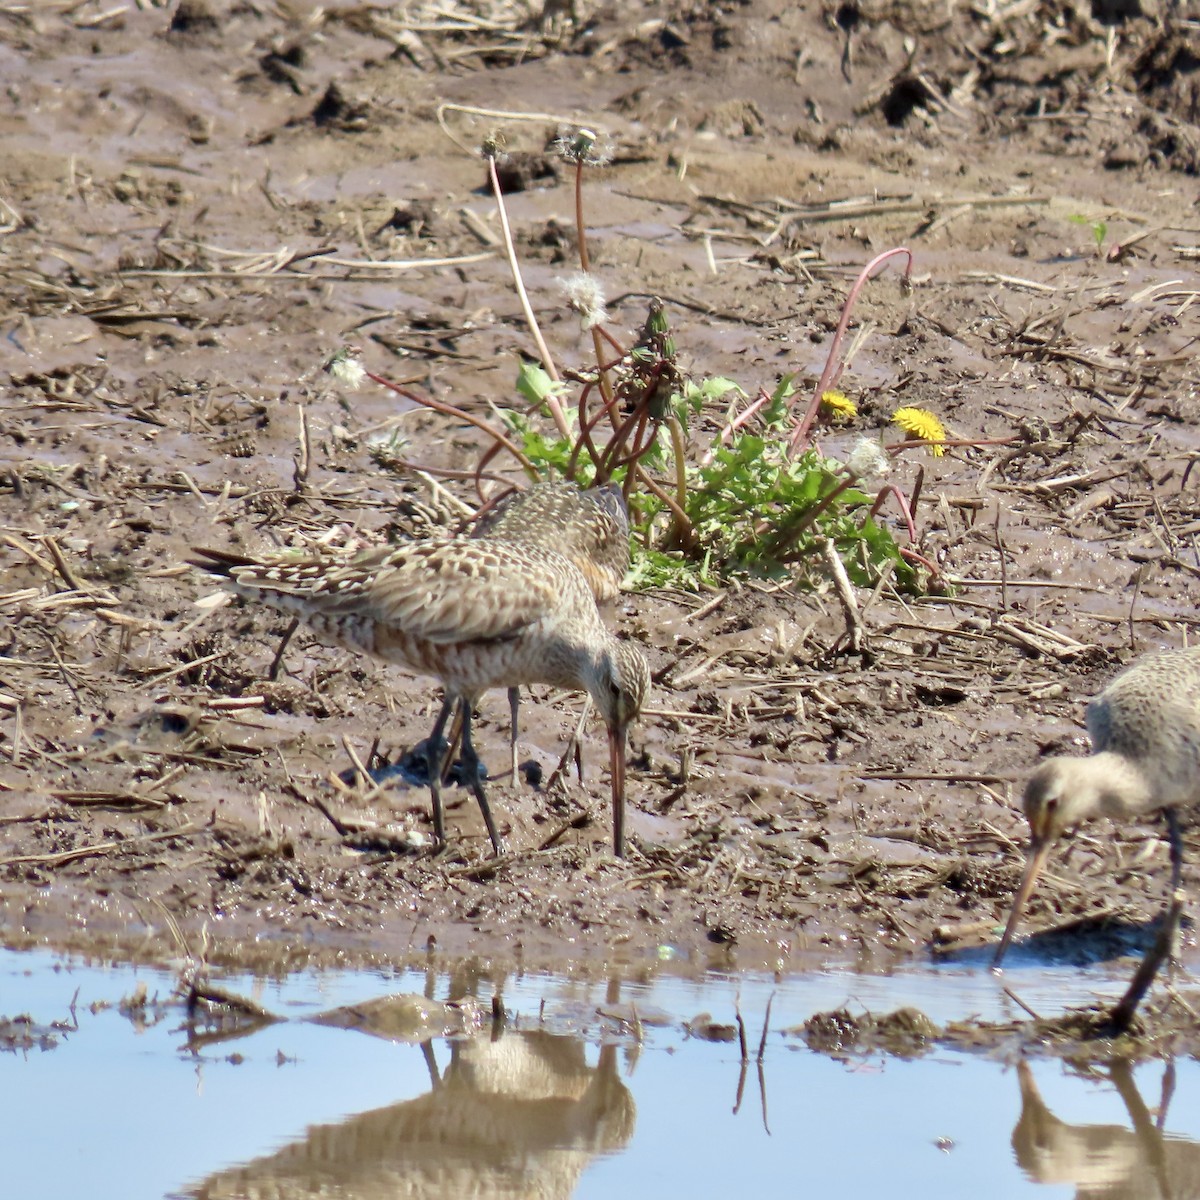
(1145, 731)
(589, 526)
(474, 613)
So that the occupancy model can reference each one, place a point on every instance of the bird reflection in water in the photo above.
(1107, 1161)
(520, 1114)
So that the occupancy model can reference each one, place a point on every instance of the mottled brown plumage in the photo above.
(1145, 731)
(474, 613)
(590, 527)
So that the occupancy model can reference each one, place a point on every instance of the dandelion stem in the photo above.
(451, 410)
(556, 411)
(683, 522)
(585, 264)
(833, 362)
(612, 341)
(726, 434)
(679, 453)
(890, 489)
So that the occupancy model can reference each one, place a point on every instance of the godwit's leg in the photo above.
(277, 661)
(436, 759)
(1165, 941)
(470, 761)
(1175, 841)
(514, 708)
(576, 746)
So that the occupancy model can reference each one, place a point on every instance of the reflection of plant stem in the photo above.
(450, 410)
(833, 364)
(586, 265)
(560, 419)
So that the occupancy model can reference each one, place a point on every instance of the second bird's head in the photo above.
(621, 684)
(1063, 792)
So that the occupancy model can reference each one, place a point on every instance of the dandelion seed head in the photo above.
(346, 368)
(494, 145)
(578, 145)
(867, 460)
(586, 296)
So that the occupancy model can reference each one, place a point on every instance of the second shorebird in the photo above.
(476, 614)
(1145, 731)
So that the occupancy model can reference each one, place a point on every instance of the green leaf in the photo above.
(535, 385)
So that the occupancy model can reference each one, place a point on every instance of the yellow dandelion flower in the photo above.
(921, 423)
(838, 405)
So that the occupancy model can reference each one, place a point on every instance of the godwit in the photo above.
(590, 527)
(1145, 731)
(475, 614)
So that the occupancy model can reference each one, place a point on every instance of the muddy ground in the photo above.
(201, 202)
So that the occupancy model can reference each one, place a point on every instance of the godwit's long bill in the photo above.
(475, 614)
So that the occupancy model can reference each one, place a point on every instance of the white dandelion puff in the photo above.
(346, 368)
(868, 460)
(586, 296)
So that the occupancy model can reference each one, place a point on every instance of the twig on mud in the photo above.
(84, 799)
(155, 680)
(865, 206)
(62, 566)
(18, 732)
(99, 848)
(300, 463)
(578, 821)
(933, 777)
(573, 749)
(845, 593)
(492, 866)
(20, 544)
(358, 270)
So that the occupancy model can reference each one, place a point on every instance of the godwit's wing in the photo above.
(448, 592)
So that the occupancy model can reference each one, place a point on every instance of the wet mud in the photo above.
(199, 204)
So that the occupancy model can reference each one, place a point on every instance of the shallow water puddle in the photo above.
(129, 1101)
